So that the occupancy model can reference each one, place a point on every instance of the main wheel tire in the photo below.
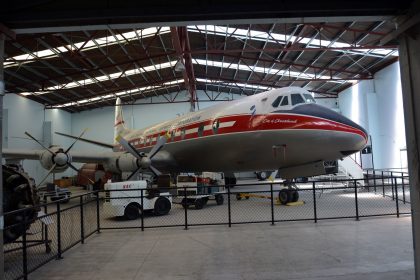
(132, 212)
(219, 199)
(294, 195)
(284, 196)
(162, 206)
(199, 203)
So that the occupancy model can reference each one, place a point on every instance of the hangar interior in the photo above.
(65, 77)
(78, 76)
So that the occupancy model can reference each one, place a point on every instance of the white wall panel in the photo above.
(377, 106)
(27, 115)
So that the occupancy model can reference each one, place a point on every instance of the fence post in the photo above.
(45, 227)
(403, 187)
(374, 180)
(185, 204)
(229, 208)
(396, 197)
(142, 211)
(82, 227)
(24, 249)
(383, 185)
(272, 204)
(98, 221)
(314, 198)
(392, 186)
(58, 231)
(356, 200)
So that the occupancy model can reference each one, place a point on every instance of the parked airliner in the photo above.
(280, 129)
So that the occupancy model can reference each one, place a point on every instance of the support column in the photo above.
(2, 38)
(409, 51)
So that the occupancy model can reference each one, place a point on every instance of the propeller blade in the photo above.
(155, 171)
(128, 147)
(48, 174)
(132, 174)
(77, 139)
(42, 145)
(81, 174)
(159, 145)
(273, 175)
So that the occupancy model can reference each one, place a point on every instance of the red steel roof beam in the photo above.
(189, 65)
(178, 41)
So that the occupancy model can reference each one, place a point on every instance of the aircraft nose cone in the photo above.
(325, 113)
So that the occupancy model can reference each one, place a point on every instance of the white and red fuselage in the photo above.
(259, 132)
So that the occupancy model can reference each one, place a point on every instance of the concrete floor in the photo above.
(374, 248)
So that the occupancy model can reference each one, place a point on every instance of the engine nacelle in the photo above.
(59, 158)
(122, 163)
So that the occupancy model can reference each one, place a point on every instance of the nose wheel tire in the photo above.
(286, 196)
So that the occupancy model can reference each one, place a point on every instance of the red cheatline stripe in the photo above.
(248, 123)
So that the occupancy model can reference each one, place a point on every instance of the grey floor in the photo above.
(373, 248)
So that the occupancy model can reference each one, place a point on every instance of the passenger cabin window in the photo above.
(276, 102)
(172, 135)
(309, 98)
(297, 99)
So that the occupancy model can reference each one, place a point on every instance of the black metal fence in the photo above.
(60, 226)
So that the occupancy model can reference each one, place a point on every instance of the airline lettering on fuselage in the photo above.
(274, 121)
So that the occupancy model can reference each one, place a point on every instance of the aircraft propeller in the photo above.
(143, 161)
(60, 158)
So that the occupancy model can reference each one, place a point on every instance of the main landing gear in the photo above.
(289, 194)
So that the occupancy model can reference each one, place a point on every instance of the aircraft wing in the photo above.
(85, 157)
(94, 157)
(116, 161)
(22, 153)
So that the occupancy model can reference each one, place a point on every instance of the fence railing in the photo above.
(60, 226)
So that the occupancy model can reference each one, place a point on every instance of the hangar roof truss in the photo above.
(82, 70)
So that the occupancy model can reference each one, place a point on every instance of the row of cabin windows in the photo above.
(200, 131)
(296, 98)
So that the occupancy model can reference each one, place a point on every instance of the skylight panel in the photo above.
(282, 38)
(120, 94)
(110, 76)
(258, 69)
(103, 41)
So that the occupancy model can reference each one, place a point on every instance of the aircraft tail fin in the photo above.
(119, 127)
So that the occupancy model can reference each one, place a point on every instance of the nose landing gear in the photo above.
(289, 194)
